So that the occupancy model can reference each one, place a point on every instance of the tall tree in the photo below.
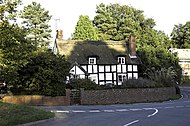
(36, 21)
(180, 35)
(7, 10)
(84, 29)
(116, 22)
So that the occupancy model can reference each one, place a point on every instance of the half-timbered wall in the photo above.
(111, 74)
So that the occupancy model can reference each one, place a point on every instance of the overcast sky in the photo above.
(166, 13)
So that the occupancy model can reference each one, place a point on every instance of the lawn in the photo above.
(11, 114)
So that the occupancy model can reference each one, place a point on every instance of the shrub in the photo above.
(83, 83)
(165, 77)
(140, 83)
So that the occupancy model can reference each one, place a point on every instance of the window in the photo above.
(121, 60)
(121, 77)
(92, 60)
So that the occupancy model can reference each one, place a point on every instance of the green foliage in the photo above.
(116, 22)
(180, 35)
(140, 83)
(83, 83)
(158, 58)
(44, 74)
(165, 77)
(35, 21)
(84, 29)
(8, 10)
(15, 50)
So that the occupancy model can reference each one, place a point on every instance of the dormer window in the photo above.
(92, 60)
(121, 60)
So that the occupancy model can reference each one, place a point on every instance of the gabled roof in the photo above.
(105, 51)
(183, 54)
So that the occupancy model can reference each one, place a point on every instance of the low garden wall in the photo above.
(39, 100)
(115, 96)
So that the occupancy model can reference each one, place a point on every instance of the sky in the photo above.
(166, 13)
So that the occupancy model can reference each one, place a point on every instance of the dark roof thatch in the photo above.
(106, 52)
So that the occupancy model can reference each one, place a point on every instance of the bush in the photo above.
(83, 83)
(44, 74)
(140, 83)
(165, 77)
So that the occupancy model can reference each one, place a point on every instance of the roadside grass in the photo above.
(11, 114)
(176, 97)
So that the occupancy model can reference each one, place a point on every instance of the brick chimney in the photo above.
(59, 34)
(132, 46)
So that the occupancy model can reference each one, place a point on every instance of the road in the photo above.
(169, 113)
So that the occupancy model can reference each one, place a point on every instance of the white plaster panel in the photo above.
(95, 68)
(107, 68)
(108, 76)
(89, 68)
(135, 68)
(101, 68)
(113, 68)
(129, 67)
(124, 68)
(118, 68)
(101, 76)
(135, 75)
(84, 67)
(130, 76)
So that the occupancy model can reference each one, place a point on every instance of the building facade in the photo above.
(184, 61)
(104, 62)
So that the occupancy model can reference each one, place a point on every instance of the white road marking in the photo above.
(179, 106)
(181, 97)
(109, 111)
(169, 107)
(187, 101)
(94, 111)
(156, 111)
(135, 109)
(121, 110)
(128, 124)
(78, 111)
(159, 107)
(62, 111)
(188, 106)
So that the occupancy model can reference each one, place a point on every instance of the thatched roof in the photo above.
(106, 52)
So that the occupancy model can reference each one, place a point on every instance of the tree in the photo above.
(180, 35)
(8, 8)
(158, 58)
(15, 50)
(116, 22)
(36, 23)
(44, 74)
(84, 29)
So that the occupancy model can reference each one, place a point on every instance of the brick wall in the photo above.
(114, 96)
(39, 100)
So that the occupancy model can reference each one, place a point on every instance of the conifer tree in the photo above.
(84, 29)
(35, 22)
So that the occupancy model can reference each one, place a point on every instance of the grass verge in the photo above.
(11, 114)
(176, 97)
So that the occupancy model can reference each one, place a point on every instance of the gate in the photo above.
(75, 97)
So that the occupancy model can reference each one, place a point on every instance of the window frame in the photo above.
(92, 60)
(121, 60)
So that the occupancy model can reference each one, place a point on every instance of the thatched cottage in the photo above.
(104, 62)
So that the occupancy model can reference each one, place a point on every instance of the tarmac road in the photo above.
(169, 113)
